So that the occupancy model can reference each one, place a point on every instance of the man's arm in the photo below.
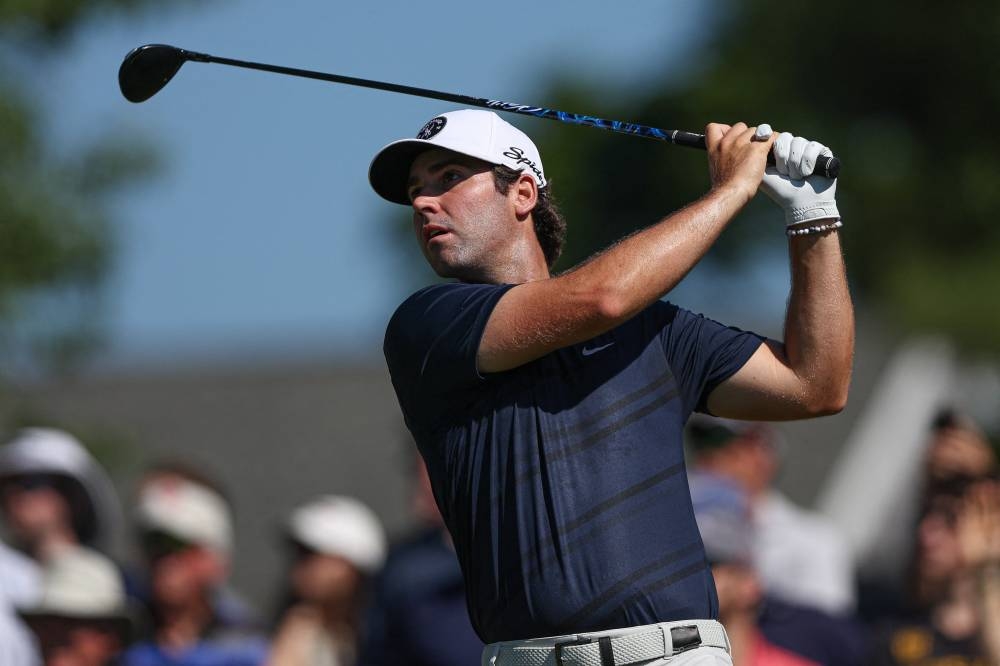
(810, 373)
(538, 317)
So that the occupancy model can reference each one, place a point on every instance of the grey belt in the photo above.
(610, 648)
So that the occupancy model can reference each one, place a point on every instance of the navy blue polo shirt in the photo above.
(562, 481)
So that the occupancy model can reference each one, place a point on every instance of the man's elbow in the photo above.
(610, 306)
(604, 303)
(829, 401)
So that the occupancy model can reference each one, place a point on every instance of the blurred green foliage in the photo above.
(38, 21)
(56, 242)
(904, 94)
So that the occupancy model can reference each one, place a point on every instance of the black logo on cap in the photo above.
(517, 154)
(432, 127)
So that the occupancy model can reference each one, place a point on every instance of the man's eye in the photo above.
(450, 176)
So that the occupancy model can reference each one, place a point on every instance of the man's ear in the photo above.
(525, 191)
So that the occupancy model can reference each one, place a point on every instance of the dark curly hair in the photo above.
(550, 227)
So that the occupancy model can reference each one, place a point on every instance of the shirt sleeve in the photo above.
(704, 353)
(431, 344)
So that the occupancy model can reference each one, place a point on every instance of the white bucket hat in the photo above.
(342, 526)
(81, 584)
(480, 134)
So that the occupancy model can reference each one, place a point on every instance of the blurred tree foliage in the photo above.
(904, 94)
(55, 239)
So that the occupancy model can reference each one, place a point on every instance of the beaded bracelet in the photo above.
(805, 231)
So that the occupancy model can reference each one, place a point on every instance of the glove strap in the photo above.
(810, 211)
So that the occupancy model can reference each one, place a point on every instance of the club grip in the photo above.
(826, 165)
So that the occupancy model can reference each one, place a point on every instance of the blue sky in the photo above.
(257, 236)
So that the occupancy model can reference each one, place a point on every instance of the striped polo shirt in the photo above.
(562, 481)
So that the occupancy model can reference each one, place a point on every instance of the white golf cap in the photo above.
(188, 511)
(342, 526)
(480, 134)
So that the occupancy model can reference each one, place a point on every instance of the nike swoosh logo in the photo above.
(590, 351)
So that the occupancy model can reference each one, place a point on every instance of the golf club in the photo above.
(147, 69)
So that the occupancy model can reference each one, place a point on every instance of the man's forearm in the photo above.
(644, 266)
(819, 325)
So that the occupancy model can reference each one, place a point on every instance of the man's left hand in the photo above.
(791, 184)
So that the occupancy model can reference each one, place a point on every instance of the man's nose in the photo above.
(426, 203)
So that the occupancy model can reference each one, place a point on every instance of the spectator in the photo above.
(54, 499)
(762, 631)
(81, 618)
(957, 448)
(419, 617)
(20, 585)
(337, 546)
(229, 609)
(54, 496)
(800, 555)
(185, 530)
(978, 530)
(954, 606)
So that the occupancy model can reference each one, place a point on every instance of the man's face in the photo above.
(76, 642)
(324, 579)
(180, 573)
(33, 505)
(938, 550)
(459, 218)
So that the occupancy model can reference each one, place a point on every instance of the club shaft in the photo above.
(828, 166)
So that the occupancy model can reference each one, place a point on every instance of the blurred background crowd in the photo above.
(201, 458)
(791, 588)
(345, 595)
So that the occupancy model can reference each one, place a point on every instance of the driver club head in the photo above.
(146, 69)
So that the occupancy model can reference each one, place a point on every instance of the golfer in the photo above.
(550, 408)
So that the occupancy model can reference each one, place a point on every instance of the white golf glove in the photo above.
(790, 183)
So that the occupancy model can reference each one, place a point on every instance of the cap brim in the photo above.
(390, 169)
(123, 624)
